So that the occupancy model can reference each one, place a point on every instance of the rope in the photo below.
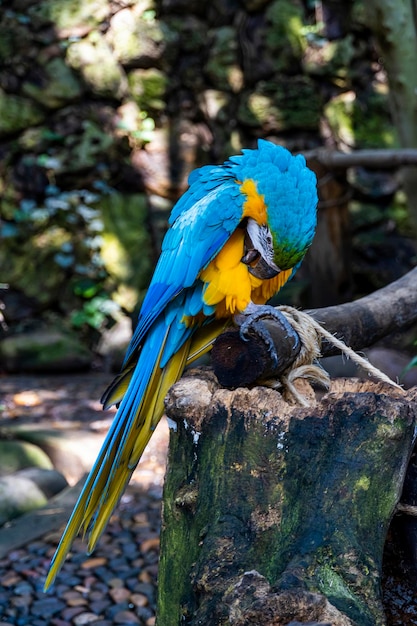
(311, 334)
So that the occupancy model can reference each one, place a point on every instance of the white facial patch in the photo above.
(261, 239)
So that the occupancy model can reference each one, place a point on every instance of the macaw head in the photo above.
(280, 208)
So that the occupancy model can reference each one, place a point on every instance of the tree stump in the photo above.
(275, 514)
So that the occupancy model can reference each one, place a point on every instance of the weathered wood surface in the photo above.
(276, 514)
(359, 324)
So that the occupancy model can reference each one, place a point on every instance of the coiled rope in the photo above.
(305, 366)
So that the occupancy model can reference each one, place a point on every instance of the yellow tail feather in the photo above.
(115, 392)
(106, 483)
(146, 420)
(74, 525)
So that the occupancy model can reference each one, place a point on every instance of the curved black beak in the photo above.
(258, 266)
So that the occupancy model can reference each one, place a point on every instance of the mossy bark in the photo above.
(274, 513)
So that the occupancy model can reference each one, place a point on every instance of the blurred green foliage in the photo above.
(62, 266)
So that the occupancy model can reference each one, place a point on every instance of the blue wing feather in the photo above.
(198, 232)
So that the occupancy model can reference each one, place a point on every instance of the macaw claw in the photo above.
(258, 322)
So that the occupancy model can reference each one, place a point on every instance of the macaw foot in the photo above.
(255, 320)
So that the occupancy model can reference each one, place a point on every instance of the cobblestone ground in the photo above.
(114, 585)
(117, 583)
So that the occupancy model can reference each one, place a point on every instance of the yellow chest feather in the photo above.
(229, 285)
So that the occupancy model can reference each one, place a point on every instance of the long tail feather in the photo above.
(126, 440)
(136, 441)
(142, 405)
(115, 392)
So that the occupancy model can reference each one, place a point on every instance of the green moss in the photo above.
(147, 87)
(126, 250)
(95, 61)
(363, 483)
(331, 584)
(180, 525)
(282, 105)
(68, 13)
(41, 351)
(83, 150)
(363, 124)
(137, 34)
(17, 113)
(36, 266)
(285, 40)
(16, 455)
(59, 85)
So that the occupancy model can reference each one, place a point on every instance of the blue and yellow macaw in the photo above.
(236, 236)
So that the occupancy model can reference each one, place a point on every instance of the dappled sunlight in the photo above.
(71, 399)
(67, 411)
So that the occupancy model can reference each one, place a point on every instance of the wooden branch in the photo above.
(363, 322)
(238, 362)
(372, 159)
(359, 324)
(273, 513)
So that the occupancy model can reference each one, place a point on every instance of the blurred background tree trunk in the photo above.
(394, 25)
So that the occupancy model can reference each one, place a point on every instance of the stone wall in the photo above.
(105, 107)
